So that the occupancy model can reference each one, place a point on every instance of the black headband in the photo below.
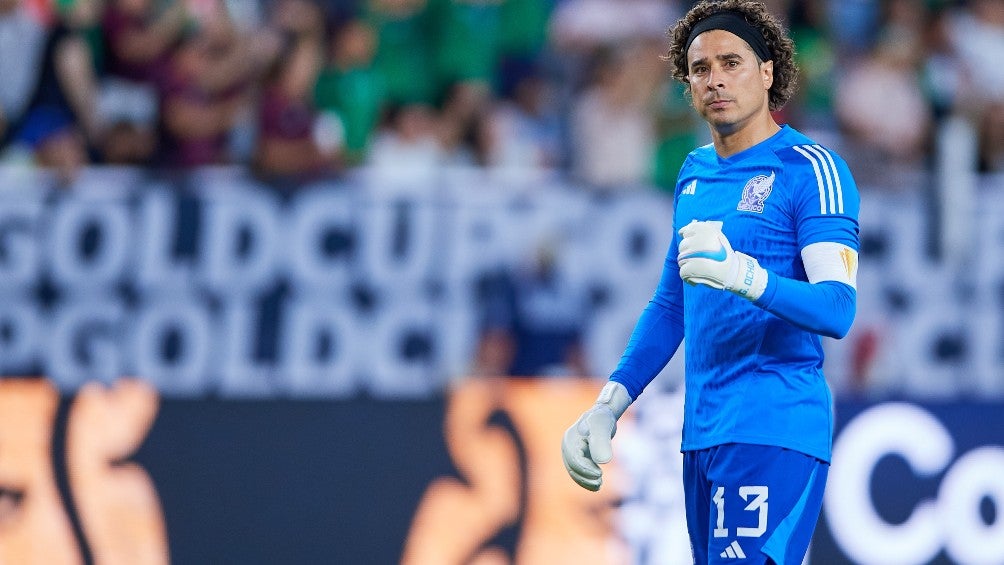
(735, 23)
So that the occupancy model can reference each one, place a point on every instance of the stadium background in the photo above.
(221, 351)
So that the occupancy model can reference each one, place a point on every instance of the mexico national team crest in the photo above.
(755, 192)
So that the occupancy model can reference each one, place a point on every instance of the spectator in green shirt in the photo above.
(467, 41)
(403, 49)
(352, 87)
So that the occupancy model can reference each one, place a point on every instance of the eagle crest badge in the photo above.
(755, 192)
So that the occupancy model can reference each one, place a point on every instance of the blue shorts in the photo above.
(752, 503)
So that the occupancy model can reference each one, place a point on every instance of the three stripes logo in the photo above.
(831, 196)
(733, 551)
(691, 188)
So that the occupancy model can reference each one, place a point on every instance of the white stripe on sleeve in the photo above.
(836, 177)
(819, 178)
(827, 173)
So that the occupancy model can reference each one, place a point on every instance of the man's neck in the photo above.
(729, 143)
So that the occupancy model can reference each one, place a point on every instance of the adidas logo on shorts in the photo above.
(733, 551)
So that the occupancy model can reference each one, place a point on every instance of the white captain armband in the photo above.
(829, 261)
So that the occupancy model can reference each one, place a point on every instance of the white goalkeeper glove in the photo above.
(706, 257)
(587, 443)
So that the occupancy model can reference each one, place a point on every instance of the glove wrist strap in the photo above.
(751, 279)
(616, 397)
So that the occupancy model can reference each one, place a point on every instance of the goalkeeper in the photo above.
(762, 265)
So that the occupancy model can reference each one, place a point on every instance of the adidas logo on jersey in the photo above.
(691, 188)
(733, 551)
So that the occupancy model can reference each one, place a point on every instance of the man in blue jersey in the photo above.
(763, 263)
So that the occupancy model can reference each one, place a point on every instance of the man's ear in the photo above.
(767, 73)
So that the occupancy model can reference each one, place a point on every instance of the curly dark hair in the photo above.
(780, 45)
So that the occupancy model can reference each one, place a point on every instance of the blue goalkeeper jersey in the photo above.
(752, 377)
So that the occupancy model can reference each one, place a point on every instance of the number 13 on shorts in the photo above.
(758, 504)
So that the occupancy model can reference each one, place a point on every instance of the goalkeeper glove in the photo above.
(706, 257)
(587, 442)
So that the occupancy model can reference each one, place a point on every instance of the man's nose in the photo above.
(715, 79)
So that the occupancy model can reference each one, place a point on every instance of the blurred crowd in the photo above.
(299, 88)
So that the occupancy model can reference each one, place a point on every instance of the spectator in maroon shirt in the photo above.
(139, 39)
(292, 141)
(208, 86)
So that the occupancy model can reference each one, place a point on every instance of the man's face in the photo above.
(727, 84)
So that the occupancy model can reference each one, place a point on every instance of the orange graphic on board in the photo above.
(115, 501)
(511, 478)
(34, 527)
